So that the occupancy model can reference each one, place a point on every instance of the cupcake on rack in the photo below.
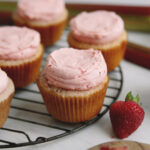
(20, 54)
(48, 17)
(6, 93)
(101, 30)
(73, 84)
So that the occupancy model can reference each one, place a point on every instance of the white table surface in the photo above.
(137, 79)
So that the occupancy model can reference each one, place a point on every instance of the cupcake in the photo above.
(73, 84)
(101, 30)
(20, 54)
(48, 17)
(6, 93)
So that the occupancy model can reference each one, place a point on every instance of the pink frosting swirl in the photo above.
(17, 43)
(98, 27)
(74, 69)
(40, 10)
(3, 81)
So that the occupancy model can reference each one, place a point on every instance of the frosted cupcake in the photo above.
(73, 84)
(101, 30)
(48, 17)
(20, 54)
(6, 93)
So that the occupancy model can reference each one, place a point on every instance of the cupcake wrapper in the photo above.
(113, 54)
(23, 73)
(4, 109)
(73, 109)
(49, 34)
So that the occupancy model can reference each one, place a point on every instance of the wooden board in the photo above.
(130, 145)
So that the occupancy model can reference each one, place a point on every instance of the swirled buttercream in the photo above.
(40, 10)
(74, 69)
(3, 81)
(98, 27)
(17, 43)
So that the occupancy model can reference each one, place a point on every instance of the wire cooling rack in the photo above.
(29, 123)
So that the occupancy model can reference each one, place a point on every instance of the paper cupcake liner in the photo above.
(49, 33)
(5, 106)
(112, 52)
(73, 109)
(4, 109)
(114, 56)
(25, 72)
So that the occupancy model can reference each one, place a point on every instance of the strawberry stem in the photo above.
(130, 97)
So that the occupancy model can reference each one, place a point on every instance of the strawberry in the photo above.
(126, 116)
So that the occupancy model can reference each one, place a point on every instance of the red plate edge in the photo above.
(138, 55)
(131, 10)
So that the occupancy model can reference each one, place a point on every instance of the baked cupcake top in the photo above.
(98, 27)
(17, 43)
(74, 69)
(3, 81)
(40, 10)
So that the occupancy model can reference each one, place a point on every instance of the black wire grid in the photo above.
(29, 123)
